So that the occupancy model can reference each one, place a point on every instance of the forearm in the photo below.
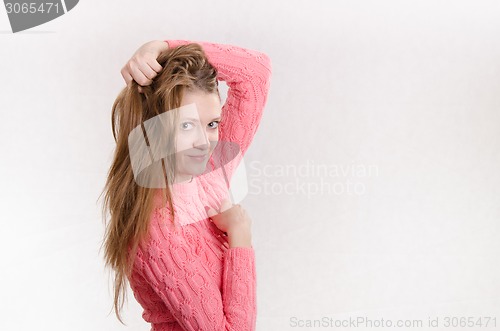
(247, 73)
(234, 64)
(239, 288)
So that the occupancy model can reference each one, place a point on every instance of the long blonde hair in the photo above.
(185, 67)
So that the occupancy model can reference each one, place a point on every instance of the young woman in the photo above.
(173, 232)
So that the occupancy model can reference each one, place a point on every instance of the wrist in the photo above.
(162, 45)
(239, 238)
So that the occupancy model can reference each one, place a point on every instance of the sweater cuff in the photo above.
(240, 253)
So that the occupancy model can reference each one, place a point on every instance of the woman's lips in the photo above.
(198, 158)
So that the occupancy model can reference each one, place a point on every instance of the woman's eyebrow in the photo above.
(191, 119)
(197, 119)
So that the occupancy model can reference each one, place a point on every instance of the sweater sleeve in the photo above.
(248, 75)
(182, 280)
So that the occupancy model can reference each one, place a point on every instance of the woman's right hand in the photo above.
(142, 66)
(233, 220)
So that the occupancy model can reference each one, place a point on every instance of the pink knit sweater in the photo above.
(187, 277)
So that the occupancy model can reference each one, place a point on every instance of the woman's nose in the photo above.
(202, 140)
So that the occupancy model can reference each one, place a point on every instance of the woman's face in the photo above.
(198, 133)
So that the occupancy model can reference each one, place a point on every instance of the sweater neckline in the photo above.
(186, 188)
(180, 191)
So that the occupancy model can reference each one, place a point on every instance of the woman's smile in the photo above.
(198, 158)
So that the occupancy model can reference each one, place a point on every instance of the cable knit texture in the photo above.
(185, 276)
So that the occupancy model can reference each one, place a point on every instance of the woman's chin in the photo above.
(198, 170)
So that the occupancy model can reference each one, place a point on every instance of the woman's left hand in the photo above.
(142, 66)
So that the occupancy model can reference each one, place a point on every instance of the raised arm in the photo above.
(189, 292)
(248, 75)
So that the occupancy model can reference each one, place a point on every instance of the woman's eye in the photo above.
(216, 124)
(185, 125)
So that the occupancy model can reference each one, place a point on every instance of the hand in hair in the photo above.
(142, 66)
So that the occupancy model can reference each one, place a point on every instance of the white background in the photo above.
(410, 88)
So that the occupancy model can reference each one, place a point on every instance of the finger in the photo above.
(225, 205)
(156, 66)
(142, 69)
(126, 75)
(148, 71)
(210, 211)
(140, 77)
(128, 78)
